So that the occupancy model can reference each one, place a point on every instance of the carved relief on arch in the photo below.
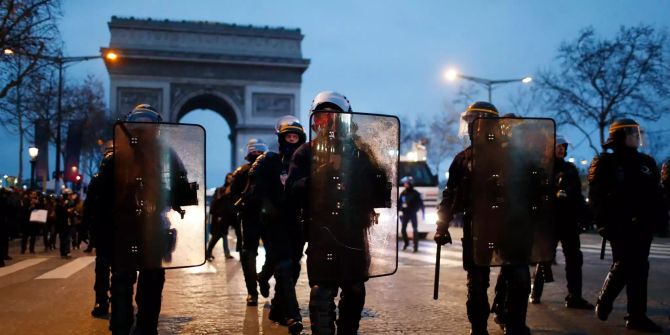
(129, 97)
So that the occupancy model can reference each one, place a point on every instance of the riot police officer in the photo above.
(457, 198)
(410, 203)
(150, 281)
(95, 208)
(628, 208)
(571, 215)
(250, 221)
(337, 210)
(284, 240)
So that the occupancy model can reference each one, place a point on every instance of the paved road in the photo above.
(44, 294)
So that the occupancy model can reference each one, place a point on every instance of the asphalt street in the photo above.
(43, 294)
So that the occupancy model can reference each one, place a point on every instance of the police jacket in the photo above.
(410, 201)
(570, 207)
(625, 194)
(456, 195)
(100, 204)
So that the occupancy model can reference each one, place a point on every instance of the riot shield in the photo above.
(159, 175)
(352, 213)
(512, 205)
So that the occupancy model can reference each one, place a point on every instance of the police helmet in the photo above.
(144, 113)
(290, 124)
(407, 180)
(618, 131)
(479, 109)
(255, 144)
(330, 101)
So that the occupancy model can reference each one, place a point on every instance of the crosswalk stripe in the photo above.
(20, 265)
(65, 271)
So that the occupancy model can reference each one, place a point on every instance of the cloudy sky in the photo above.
(386, 56)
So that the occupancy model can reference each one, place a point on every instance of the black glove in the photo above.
(442, 238)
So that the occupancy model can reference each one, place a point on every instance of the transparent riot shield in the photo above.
(159, 207)
(512, 209)
(352, 213)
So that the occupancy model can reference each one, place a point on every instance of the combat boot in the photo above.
(295, 327)
(576, 302)
(252, 300)
(643, 324)
(479, 331)
(263, 285)
(611, 288)
(536, 292)
(100, 310)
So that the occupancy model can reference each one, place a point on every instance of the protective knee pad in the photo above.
(322, 309)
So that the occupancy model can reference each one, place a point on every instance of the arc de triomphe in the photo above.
(249, 75)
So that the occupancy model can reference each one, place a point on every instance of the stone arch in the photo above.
(216, 102)
(249, 75)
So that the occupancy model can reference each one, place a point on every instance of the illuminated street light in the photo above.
(60, 62)
(453, 74)
(111, 55)
(32, 153)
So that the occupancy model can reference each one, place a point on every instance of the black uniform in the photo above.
(150, 283)
(252, 231)
(410, 203)
(627, 203)
(572, 214)
(456, 199)
(284, 240)
(337, 244)
(101, 224)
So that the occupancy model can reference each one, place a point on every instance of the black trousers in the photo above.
(409, 217)
(148, 298)
(574, 260)
(630, 269)
(102, 278)
(251, 234)
(322, 307)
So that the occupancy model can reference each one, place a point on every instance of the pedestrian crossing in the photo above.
(451, 256)
(68, 269)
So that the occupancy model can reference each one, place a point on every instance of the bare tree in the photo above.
(444, 141)
(600, 80)
(28, 31)
(85, 101)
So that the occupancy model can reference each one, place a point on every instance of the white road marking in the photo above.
(20, 265)
(65, 271)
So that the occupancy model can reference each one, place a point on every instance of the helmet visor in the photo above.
(635, 136)
(467, 118)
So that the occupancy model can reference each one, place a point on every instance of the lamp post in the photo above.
(60, 62)
(453, 74)
(32, 153)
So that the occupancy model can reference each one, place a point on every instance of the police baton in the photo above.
(602, 248)
(437, 272)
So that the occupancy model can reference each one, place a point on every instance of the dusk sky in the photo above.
(386, 56)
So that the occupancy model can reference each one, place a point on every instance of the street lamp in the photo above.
(33, 152)
(60, 62)
(453, 74)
